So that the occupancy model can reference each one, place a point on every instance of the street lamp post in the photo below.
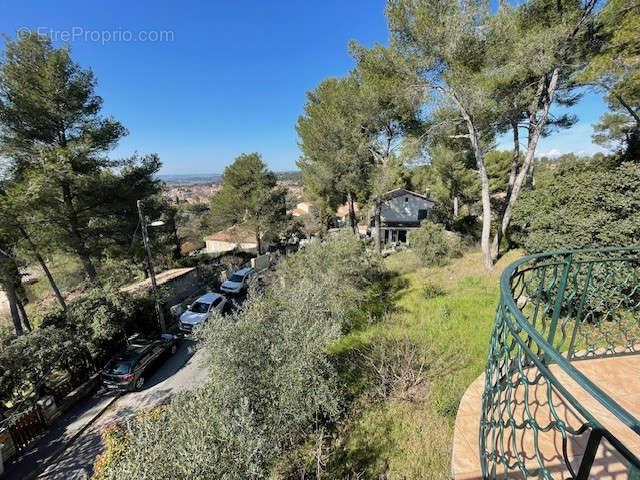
(152, 274)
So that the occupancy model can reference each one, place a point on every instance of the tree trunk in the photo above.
(74, 230)
(486, 198)
(352, 213)
(456, 206)
(258, 242)
(51, 280)
(377, 223)
(515, 161)
(486, 218)
(45, 269)
(176, 239)
(23, 316)
(530, 183)
(535, 131)
(485, 239)
(12, 298)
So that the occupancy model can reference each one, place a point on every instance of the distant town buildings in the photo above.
(196, 194)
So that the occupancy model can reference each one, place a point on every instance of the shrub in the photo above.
(341, 267)
(432, 290)
(584, 203)
(97, 318)
(101, 318)
(114, 440)
(32, 358)
(434, 245)
(187, 439)
(468, 226)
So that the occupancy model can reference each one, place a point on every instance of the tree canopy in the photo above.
(581, 203)
(249, 196)
(615, 69)
(61, 192)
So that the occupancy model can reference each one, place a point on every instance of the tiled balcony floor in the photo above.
(619, 377)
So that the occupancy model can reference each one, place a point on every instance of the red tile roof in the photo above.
(233, 234)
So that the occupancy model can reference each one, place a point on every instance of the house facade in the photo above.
(400, 212)
(230, 239)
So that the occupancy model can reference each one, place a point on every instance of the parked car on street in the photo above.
(127, 369)
(199, 311)
(238, 281)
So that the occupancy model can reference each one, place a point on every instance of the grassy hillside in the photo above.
(448, 313)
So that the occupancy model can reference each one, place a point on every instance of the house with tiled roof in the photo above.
(302, 209)
(236, 237)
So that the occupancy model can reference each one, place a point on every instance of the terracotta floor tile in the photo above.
(465, 456)
(619, 377)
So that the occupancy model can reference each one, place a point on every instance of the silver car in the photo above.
(238, 281)
(199, 311)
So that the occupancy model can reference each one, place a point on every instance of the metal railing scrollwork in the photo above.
(557, 309)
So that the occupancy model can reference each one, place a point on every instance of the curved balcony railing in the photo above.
(558, 311)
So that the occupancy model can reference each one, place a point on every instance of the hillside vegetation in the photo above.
(445, 315)
(345, 368)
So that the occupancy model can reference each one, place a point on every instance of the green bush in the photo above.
(30, 359)
(97, 319)
(434, 245)
(342, 267)
(432, 290)
(102, 318)
(580, 203)
(468, 226)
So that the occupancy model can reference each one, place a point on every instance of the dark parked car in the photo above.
(127, 370)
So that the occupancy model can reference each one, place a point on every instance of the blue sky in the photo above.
(228, 76)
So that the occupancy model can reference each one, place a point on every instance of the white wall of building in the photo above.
(403, 208)
(216, 246)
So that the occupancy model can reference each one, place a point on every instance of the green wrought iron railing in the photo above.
(557, 309)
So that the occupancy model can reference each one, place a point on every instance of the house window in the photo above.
(406, 199)
(422, 214)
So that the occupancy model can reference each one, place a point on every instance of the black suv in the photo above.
(126, 370)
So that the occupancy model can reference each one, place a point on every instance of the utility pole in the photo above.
(152, 274)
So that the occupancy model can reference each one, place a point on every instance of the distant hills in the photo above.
(191, 179)
(206, 178)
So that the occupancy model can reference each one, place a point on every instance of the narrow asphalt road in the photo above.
(171, 377)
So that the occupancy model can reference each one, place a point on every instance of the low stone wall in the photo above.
(183, 286)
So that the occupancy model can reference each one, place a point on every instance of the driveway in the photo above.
(172, 377)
